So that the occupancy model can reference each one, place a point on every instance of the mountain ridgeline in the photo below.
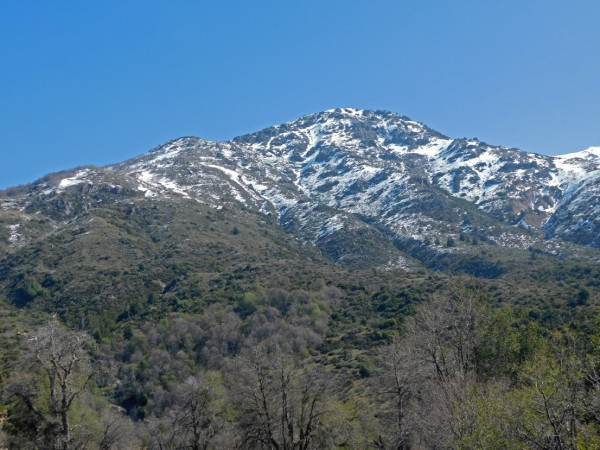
(366, 188)
(345, 189)
(350, 279)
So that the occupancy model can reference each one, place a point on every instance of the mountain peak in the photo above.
(348, 127)
(588, 153)
(358, 115)
(348, 111)
(346, 172)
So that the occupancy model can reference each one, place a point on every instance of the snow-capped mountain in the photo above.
(353, 182)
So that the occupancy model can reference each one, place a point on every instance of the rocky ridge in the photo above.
(365, 187)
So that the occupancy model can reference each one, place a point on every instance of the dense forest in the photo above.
(299, 369)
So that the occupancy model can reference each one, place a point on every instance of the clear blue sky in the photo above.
(94, 82)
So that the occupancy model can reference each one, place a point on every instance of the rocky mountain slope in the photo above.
(202, 268)
(369, 188)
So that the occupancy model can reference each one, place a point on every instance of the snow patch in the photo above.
(171, 153)
(14, 237)
(149, 180)
(78, 178)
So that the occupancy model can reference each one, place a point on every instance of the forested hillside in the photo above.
(351, 279)
(295, 369)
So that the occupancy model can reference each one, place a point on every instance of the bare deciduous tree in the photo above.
(197, 415)
(116, 430)
(61, 358)
(426, 370)
(398, 385)
(195, 419)
(280, 404)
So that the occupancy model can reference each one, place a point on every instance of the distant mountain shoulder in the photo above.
(367, 188)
